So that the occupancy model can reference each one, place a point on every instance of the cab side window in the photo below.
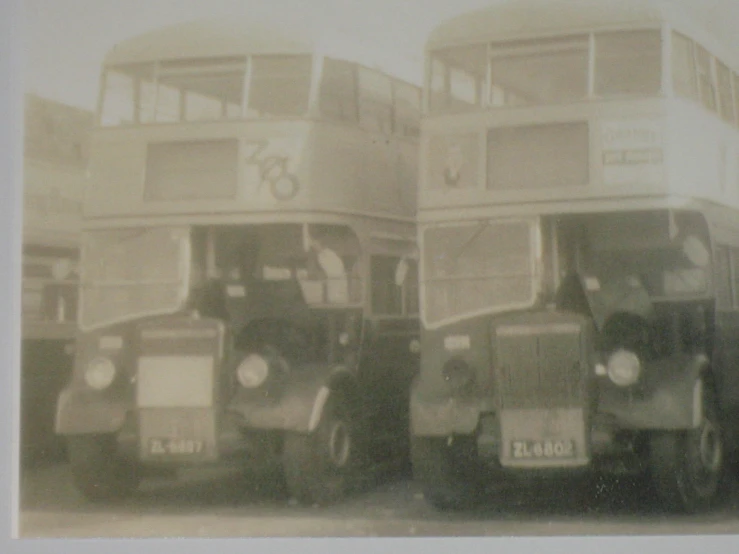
(388, 298)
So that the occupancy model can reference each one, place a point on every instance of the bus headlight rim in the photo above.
(100, 373)
(252, 371)
(458, 374)
(624, 367)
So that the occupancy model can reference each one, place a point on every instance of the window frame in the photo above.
(725, 96)
(709, 78)
(724, 289)
(368, 103)
(404, 292)
(352, 67)
(249, 80)
(624, 34)
(407, 126)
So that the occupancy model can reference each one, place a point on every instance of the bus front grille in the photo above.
(540, 366)
(175, 382)
(177, 365)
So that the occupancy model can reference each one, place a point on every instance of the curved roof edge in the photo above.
(514, 19)
(208, 38)
(534, 17)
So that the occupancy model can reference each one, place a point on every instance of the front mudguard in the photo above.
(297, 406)
(81, 411)
(669, 397)
(435, 415)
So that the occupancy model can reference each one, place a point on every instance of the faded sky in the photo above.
(67, 39)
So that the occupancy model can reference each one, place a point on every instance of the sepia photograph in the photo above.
(387, 268)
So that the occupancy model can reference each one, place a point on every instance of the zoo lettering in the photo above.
(272, 167)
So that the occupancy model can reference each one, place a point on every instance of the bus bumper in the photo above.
(192, 436)
(541, 448)
(175, 437)
(604, 447)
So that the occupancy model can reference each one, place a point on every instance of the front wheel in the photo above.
(98, 472)
(448, 472)
(320, 466)
(688, 467)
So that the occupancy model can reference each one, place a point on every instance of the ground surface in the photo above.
(220, 503)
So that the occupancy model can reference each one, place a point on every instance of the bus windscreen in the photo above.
(132, 272)
(463, 275)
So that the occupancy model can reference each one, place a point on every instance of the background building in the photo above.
(55, 158)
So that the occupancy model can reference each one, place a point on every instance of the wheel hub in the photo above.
(339, 445)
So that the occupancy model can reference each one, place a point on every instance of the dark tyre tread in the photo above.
(310, 475)
(447, 474)
(673, 474)
(97, 473)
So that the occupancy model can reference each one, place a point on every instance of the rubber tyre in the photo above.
(686, 480)
(96, 470)
(449, 474)
(320, 467)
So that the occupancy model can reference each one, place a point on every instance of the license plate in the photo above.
(175, 447)
(546, 449)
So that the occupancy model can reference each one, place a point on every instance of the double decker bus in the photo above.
(248, 268)
(55, 157)
(579, 251)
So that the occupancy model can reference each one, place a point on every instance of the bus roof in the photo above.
(208, 38)
(532, 18)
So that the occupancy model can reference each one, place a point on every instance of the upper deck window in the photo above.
(280, 85)
(166, 106)
(537, 72)
(628, 63)
(202, 90)
(683, 67)
(706, 83)
(375, 101)
(352, 93)
(338, 94)
(207, 90)
(407, 108)
(725, 91)
(545, 71)
(700, 76)
(118, 99)
(457, 79)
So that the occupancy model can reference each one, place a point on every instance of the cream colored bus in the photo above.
(579, 240)
(248, 283)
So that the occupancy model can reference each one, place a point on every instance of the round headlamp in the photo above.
(252, 371)
(623, 368)
(458, 374)
(100, 373)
